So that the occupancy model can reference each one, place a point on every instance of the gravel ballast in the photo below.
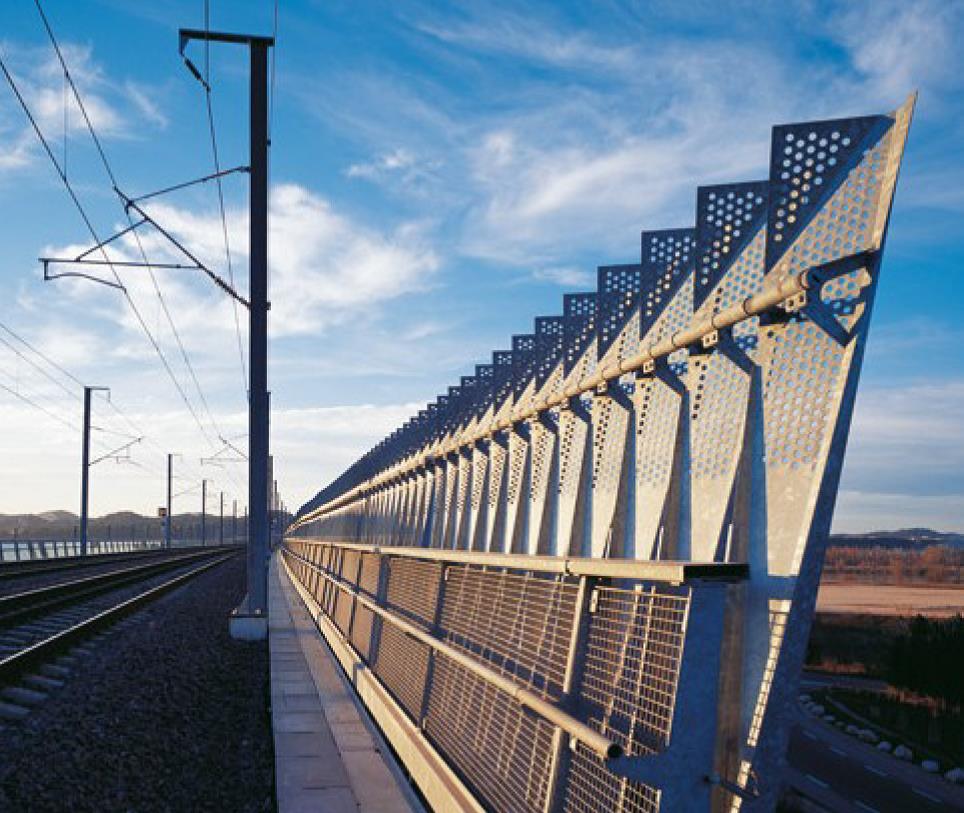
(167, 713)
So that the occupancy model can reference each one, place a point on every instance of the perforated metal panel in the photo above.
(695, 407)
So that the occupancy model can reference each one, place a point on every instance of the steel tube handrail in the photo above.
(589, 737)
(676, 572)
(792, 285)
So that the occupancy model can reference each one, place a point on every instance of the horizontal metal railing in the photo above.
(672, 572)
(503, 661)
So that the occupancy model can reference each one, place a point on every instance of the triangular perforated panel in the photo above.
(668, 257)
(579, 312)
(467, 407)
(485, 376)
(728, 216)
(523, 360)
(617, 301)
(502, 377)
(808, 162)
(550, 337)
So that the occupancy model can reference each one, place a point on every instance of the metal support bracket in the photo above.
(823, 317)
(662, 372)
(726, 345)
(578, 408)
(548, 421)
(523, 430)
(500, 439)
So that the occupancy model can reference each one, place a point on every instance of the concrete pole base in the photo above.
(247, 626)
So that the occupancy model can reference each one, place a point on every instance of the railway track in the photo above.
(12, 572)
(44, 631)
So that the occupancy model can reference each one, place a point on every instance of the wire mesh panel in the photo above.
(413, 589)
(502, 750)
(402, 664)
(592, 787)
(632, 663)
(519, 623)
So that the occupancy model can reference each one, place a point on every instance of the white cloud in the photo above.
(900, 46)
(326, 268)
(566, 276)
(907, 442)
(399, 159)
(115, 109)
(146, 105)
(317, 444)
(527, 39)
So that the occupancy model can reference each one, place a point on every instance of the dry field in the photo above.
(872, 599)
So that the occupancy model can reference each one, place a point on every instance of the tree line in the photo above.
(928, 659)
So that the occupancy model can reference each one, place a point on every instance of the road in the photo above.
(843, 774)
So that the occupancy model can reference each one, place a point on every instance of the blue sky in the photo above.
(441, 174)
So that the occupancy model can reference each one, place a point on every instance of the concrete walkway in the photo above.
(328, 756)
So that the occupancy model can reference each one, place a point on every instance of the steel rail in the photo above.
(790, 287)
(26, 659)
(578, 730)
(22, 568)
(660, 570)
(42, 599)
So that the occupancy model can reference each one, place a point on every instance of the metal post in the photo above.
(221, 522)
(85, 473)
(204, 511)
(168, 518)
(234, 522)
(258, 397)
(256, 603)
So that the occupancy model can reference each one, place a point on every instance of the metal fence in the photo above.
(694, 407)
(541, 682)
(17, 550)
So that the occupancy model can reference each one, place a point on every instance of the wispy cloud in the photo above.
(529, 39)
(326, 267)
(343, 431)
(117, 109)
(908, 438)
(911, 44)
(396, 161)
(566, 276)
(143, 100)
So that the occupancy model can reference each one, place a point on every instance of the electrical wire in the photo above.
(110, 173)
(93, 232)
(40, 370)
(49, 413)
(70, 376)
(220, 187)
(45, 357)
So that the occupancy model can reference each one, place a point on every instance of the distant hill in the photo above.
(64, 524)
(907, 538)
